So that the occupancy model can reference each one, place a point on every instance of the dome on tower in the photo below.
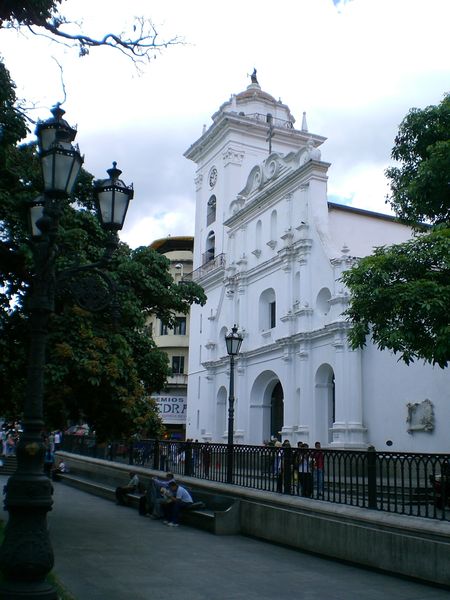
(254, 91)
(257, 104)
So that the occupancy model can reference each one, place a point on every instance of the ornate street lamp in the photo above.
(113, 198)
(26, 555)
(233, 341)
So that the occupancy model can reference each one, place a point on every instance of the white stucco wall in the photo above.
(361, 232)
(332, 394)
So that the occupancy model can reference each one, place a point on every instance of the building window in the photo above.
(267, 310)
(164, 329)
(177, 365)
(272, 314)
(180, 326)
(210, 247)
(211, 211)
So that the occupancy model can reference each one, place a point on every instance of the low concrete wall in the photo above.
(399, 544)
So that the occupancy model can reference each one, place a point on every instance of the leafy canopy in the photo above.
(400, 294)
(420, 186)
(98, 369)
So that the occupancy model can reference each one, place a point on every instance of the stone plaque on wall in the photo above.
(420, 416)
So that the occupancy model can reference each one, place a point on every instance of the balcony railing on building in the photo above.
(275, 121)
(209, 263)
(180, 379)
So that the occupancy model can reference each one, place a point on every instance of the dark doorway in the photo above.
(276, 412)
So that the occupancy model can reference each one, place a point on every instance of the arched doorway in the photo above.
(266, 417)
(325, 403)
(276, 411)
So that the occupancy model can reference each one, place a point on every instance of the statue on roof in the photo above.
(253, 77)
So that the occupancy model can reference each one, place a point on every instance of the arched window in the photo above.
(323, 301)
(211, 210)
(258, 235)
(273, 225)
(267, 310)
(273, 230)
(221, 413)
(210, 251)
(297, 287)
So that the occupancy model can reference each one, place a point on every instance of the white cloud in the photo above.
(356, 69)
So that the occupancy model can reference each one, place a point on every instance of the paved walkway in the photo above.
(109, 552)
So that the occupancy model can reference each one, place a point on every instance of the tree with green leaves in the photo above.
(99, 368)
(400, 295)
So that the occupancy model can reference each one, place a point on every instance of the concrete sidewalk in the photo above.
(109, 552)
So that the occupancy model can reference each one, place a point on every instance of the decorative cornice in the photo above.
(233, 156)
(289, 316)
(339, 341)
(288, 235)
(242, 260)
(301, 310)
(198, 182)
(303, 350)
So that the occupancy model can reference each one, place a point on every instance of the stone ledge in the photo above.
(400, 544)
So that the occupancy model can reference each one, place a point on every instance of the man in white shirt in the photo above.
(179, 500)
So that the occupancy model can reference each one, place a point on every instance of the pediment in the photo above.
(275, 166)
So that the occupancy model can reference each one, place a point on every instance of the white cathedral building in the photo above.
(269, 252)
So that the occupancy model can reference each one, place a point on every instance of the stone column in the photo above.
(348, 429)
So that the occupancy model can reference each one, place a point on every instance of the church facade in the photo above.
(269, 251)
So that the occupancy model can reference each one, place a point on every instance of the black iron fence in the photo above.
(403, 483)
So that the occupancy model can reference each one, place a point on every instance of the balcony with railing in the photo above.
(210, 263)
(282, 123)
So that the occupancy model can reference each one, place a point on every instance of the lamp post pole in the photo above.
(233, 342)
(26, 555)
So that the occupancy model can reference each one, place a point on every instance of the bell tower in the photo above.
(245, 130)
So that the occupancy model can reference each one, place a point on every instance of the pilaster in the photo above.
(348, 430)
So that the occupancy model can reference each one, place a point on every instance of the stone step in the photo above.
(8, 465)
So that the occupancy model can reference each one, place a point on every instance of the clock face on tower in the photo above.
(212, 177)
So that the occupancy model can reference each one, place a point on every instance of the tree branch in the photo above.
(140, 48)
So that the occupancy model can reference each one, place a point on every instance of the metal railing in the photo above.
(283, 123)
(208, 265)
(403, 483)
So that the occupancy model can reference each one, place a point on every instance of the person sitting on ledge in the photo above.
(178, 500)
(60, 468)
(131, 487)
(152, 501)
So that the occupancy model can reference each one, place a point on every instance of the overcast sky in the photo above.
(356, 67)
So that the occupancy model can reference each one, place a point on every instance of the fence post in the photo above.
(287, 470)
(372, 477)
(130, 452)
(156, 455)
(188, 459)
